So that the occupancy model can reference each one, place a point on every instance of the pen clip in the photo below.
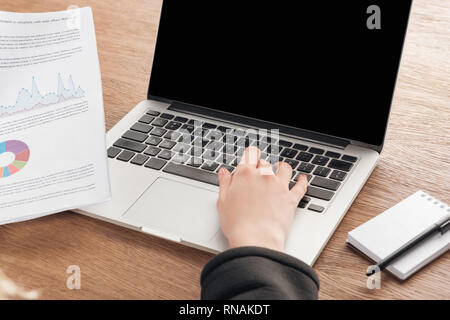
(443, 228)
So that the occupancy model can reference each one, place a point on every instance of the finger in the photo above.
(299, 189)
(250, 157)
(284, 171)
(265, 167)
(224, 177)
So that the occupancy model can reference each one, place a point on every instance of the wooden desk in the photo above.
(119, 263)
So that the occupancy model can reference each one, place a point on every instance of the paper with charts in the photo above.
(52, 127)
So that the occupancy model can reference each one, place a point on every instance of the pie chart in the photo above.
(21, 154)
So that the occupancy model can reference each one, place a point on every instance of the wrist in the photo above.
(274, 241)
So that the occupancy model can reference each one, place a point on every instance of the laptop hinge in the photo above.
(253, 123)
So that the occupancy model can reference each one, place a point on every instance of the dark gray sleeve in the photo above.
(257, 273)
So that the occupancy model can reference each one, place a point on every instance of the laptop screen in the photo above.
(324, 66)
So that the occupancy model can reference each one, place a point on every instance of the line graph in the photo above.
(28, 100)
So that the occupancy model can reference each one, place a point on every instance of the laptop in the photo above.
(308, 84)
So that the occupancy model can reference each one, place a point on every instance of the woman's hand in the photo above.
(256, 207)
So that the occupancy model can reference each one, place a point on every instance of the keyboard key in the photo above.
(155, 163)
(260, 145)
(195, 151)
(316, 150)
(130, 145)
(153, 113)
(244, 142)
(159, 132)
(154, 141)
(223, 129)
(207, 125)
(304, 156)
(159, 122)
(152, 151)
(289, 153)
(240, 152)
(146, 119)
(167, 116)
(113, 152)
(292, 163)
(172, 135)
(125, 155)
(338, 175)
(196, 123)
(320, 160)
(294, 173)
(267, 140)
(325, 183)
(215, 145)
(181, 158)
(230, 139)
(308, 176)
(181, 119)
(195, 162)
(273, 149)
(187, 138)
(319, 193)
(181, 148)
(230, 160)
(166, 155)
(167, 144)
(321, 171)
(139, 159)
(214, 136)
(304, 202)
(300, 147)
(332, 154)
(210, 155)
(315, 207)
(272, 158)
(136, 136)
(210, 166)
(229, 168)
(201, 132)
(141, 127)
(229, 149)
(172, 125)
(221, 159)
(192, 173)
(187, 128)
(306, 167)
(340, 165)
(285, 143)
(200, 142)
(349, 158)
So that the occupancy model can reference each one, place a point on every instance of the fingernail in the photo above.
(222, 171)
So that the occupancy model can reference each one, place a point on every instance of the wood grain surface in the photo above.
(119, 263)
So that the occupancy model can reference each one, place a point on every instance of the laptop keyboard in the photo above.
(197, 150)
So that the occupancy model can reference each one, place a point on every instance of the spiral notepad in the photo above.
(390, 230)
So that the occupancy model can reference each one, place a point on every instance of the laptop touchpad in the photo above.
(177, 209)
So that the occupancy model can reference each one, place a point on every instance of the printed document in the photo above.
(52, 126)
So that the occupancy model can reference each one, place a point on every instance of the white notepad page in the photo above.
(390, 230)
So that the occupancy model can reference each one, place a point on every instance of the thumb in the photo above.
(224, 177)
